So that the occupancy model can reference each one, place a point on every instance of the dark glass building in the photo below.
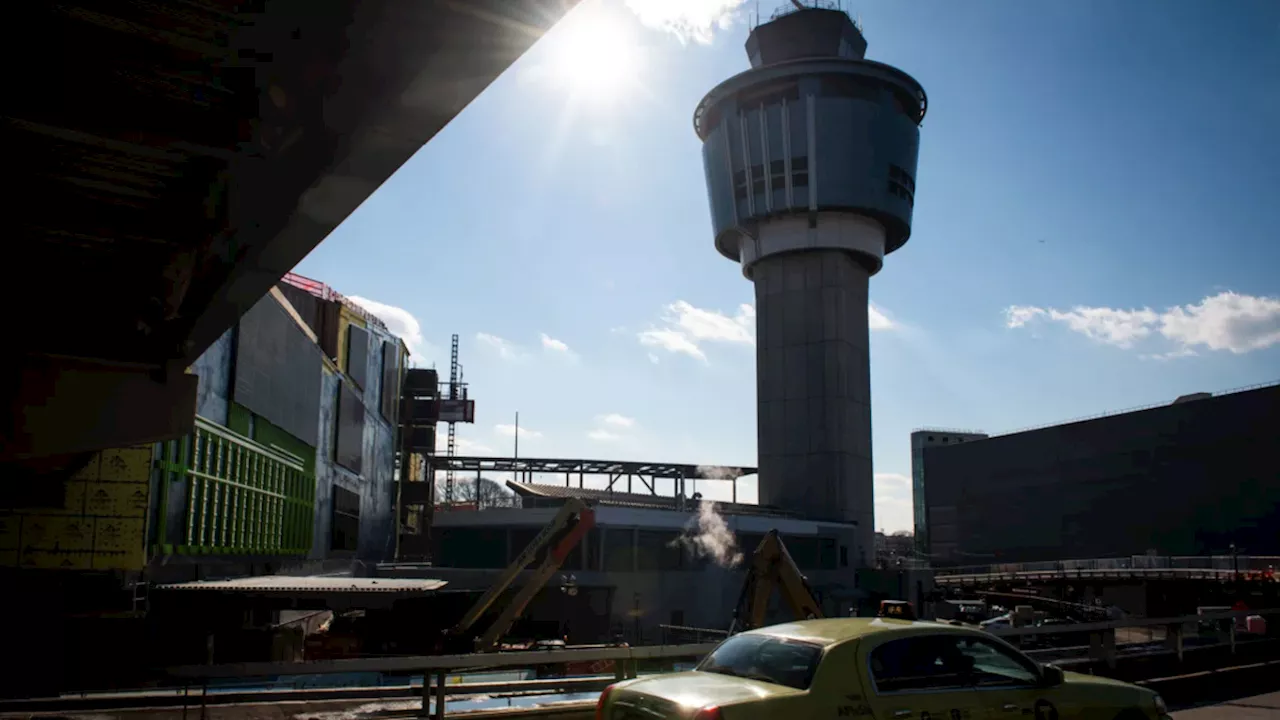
(1189, 478)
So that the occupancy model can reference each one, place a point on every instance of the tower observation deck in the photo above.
(810, 160)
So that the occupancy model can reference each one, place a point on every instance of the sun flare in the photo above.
(596, 57)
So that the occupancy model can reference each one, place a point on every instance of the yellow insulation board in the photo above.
(100, 525)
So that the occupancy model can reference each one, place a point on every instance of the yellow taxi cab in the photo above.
(874, 669)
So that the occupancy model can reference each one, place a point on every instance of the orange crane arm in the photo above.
(560, 536)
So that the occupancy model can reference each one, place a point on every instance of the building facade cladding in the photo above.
(213, 368)
(920, 439)
(810, 160)
(637, 555)
(372, 478)
(1189, 478)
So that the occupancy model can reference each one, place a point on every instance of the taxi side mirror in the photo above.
(1051, 676)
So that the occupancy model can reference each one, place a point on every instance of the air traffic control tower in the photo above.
(810, 159)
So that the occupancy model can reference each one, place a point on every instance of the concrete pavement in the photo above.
(1258, 707)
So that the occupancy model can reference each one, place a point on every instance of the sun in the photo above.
(596, 57)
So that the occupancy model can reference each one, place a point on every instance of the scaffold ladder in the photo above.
(451, 448)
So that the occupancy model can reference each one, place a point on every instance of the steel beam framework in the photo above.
(616, 470)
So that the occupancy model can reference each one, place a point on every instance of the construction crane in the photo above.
(771, 566)
(553, 544)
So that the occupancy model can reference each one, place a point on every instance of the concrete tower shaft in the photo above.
(810, 159)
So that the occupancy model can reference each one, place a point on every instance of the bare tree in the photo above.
(492, 493)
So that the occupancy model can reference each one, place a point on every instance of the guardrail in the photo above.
(1108, 642)
(626, 660)
(1248, 567)
(1103, 635)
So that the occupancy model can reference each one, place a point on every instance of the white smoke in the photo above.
(696, 20)
(707, 535)
(716, 472)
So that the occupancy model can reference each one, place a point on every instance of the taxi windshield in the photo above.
(777, 660)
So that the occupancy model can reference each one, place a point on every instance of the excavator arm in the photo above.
(557, 539)
(772, 566)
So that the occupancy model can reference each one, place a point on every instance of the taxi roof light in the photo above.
(710, 712)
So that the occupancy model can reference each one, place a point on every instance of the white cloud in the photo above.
(684, 328)
(1226, 321)
(510, 431)
(550, 343)
(696, 20)
(671, 341)
(893, 502)
(465, 447)
(877, 320)
(600, 435)
(1171, 355)
(558, 347)
(654, 359)
(616, 420)
(400, 322)
(506, 349)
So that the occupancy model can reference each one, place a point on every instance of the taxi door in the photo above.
(1008, 683)
(919, 676)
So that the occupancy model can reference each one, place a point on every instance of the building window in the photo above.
(619, 550)
(827, 554)
(844, 556)
(800, 172)
(777, 174)
(740, 184)
(757, 179)
(344, 531)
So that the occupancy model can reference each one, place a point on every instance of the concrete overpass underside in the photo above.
(170, 161)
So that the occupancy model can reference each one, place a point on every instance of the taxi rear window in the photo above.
(781, 661)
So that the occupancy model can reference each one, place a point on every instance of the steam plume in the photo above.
(716, 472)
(707, 535)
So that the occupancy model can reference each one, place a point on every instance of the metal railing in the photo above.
(458, 675)
(238, 497)
(626, 661)
(1109, 641)
(1208, 565)
(1136, 408)
(683, 633)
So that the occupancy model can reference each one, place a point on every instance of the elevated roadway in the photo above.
(172, 160)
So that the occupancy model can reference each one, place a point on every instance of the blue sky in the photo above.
(1095, 228)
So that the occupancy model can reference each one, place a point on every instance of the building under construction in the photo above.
(291, 468)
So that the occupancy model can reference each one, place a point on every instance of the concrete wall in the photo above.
(1184, 479)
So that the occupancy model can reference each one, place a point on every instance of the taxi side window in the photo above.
(923, 662)
(996, 666)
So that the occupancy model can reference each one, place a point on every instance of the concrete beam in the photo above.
(60, 406)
